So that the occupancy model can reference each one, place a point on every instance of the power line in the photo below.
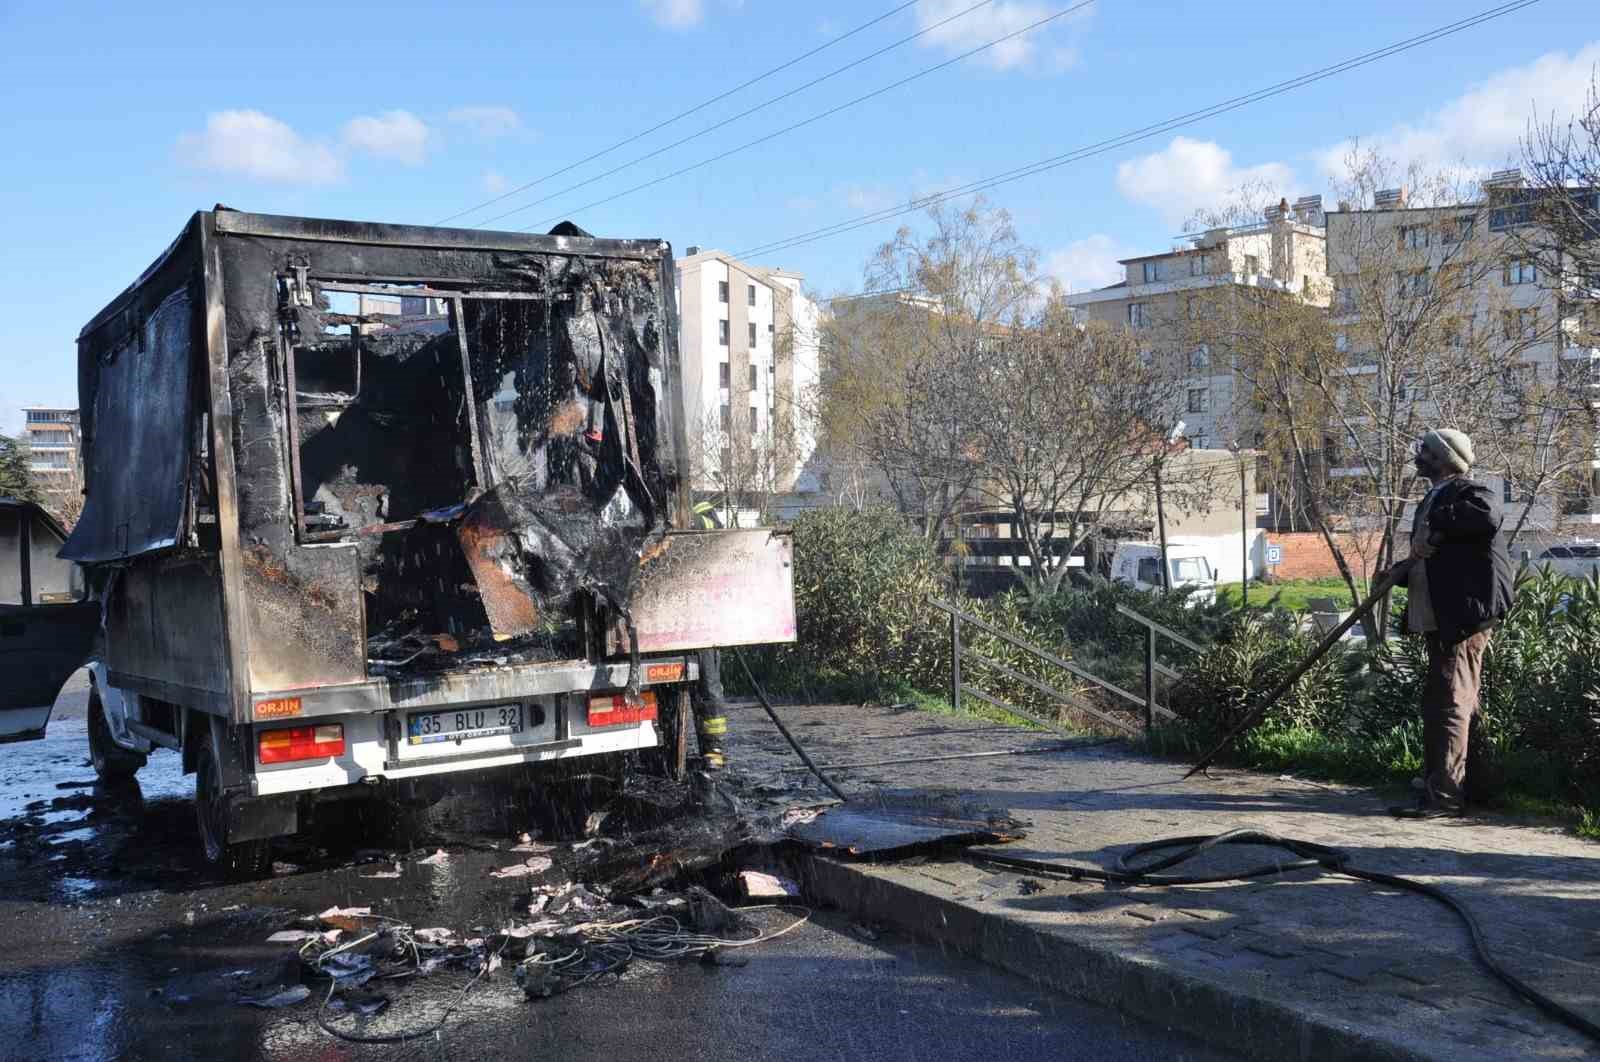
(817, 117)
(684, 114)
(1134, 136)
(742, 114)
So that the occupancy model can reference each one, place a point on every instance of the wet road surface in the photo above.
(120, 943)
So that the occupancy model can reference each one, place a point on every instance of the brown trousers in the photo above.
(1449, 703)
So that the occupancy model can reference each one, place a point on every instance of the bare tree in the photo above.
(899, 363)
(746, 467)
(1068, 432)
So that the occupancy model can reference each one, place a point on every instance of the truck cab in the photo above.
(1138, 564)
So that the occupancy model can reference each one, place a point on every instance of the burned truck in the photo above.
(371, 506)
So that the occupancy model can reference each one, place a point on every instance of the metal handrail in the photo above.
(1046, 689)
(1159, 629)
(958, 653)
(1043, 654)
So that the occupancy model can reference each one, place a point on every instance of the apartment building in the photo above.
(55, 451)
(748, 337)
(1510, 307)
(1159, 293)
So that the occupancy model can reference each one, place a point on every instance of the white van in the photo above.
(1139, 564)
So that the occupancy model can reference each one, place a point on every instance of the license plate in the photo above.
(461, 724)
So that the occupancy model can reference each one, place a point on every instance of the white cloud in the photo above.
(675, 14)
(1190, 175)
(256, 145)
(869, 196)
(1482, 127)
(398, 135)
(1087, 263)
(494, 182)
(992, 22)
(488, 121)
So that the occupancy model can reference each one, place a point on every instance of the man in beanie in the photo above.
(1459, 578)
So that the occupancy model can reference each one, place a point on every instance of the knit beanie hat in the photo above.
(1450, 447)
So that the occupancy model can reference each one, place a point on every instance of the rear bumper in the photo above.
(485, 685)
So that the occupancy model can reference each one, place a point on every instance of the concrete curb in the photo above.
(1225, 1016)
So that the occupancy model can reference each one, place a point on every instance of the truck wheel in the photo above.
(246, 859)
(112, 762)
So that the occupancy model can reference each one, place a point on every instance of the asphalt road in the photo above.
(116, 941)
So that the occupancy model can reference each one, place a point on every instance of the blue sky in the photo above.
(122, 119)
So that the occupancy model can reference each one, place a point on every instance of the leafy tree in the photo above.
(16, 481)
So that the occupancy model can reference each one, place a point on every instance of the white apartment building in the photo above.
(55, 450)
(748, 337)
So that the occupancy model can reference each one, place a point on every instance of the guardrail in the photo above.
(960, 653)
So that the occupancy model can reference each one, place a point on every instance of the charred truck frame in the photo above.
(373, 504)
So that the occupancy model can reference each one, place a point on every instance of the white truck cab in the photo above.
(1139, 564)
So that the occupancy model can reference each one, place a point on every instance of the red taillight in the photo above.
(613, 709)
(300, 743)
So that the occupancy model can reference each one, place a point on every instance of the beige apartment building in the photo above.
(1159, 293)
(1548, 326)
(749, 343)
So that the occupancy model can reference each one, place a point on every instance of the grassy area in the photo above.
(1292, 594)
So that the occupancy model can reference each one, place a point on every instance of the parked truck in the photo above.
(369, 506)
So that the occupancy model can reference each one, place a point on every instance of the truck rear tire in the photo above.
(112, 762)
(245, 859)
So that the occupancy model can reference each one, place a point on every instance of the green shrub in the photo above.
(861, 584)
(1253, 653)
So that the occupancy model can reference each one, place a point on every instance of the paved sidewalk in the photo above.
(1303, 966)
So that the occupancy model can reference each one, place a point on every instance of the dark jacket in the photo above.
(1470, 578)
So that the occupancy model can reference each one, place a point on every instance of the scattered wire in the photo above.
(1134, 136)
(840, 39)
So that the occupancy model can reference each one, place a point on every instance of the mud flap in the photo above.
(258, 818)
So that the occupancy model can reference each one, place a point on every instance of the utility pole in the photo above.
(1161, 509)
(1244, 528)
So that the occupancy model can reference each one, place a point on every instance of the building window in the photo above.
(727, 461)
(752, 294)
(754, 421)
(1199, 265)
(1344, 296)
(1519, 324)
(1138, 317)
(727, 421)
(1413, 283)
(722, 291)
(1519, 271)
(1199, 400)
(722, 332)
(1252, 265)
(1413, 237)
(1193, 307)
(1200, 359)
(754, 377)
(752, 334)
(1152, 272)
(1458, 230)
(1341, 342)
